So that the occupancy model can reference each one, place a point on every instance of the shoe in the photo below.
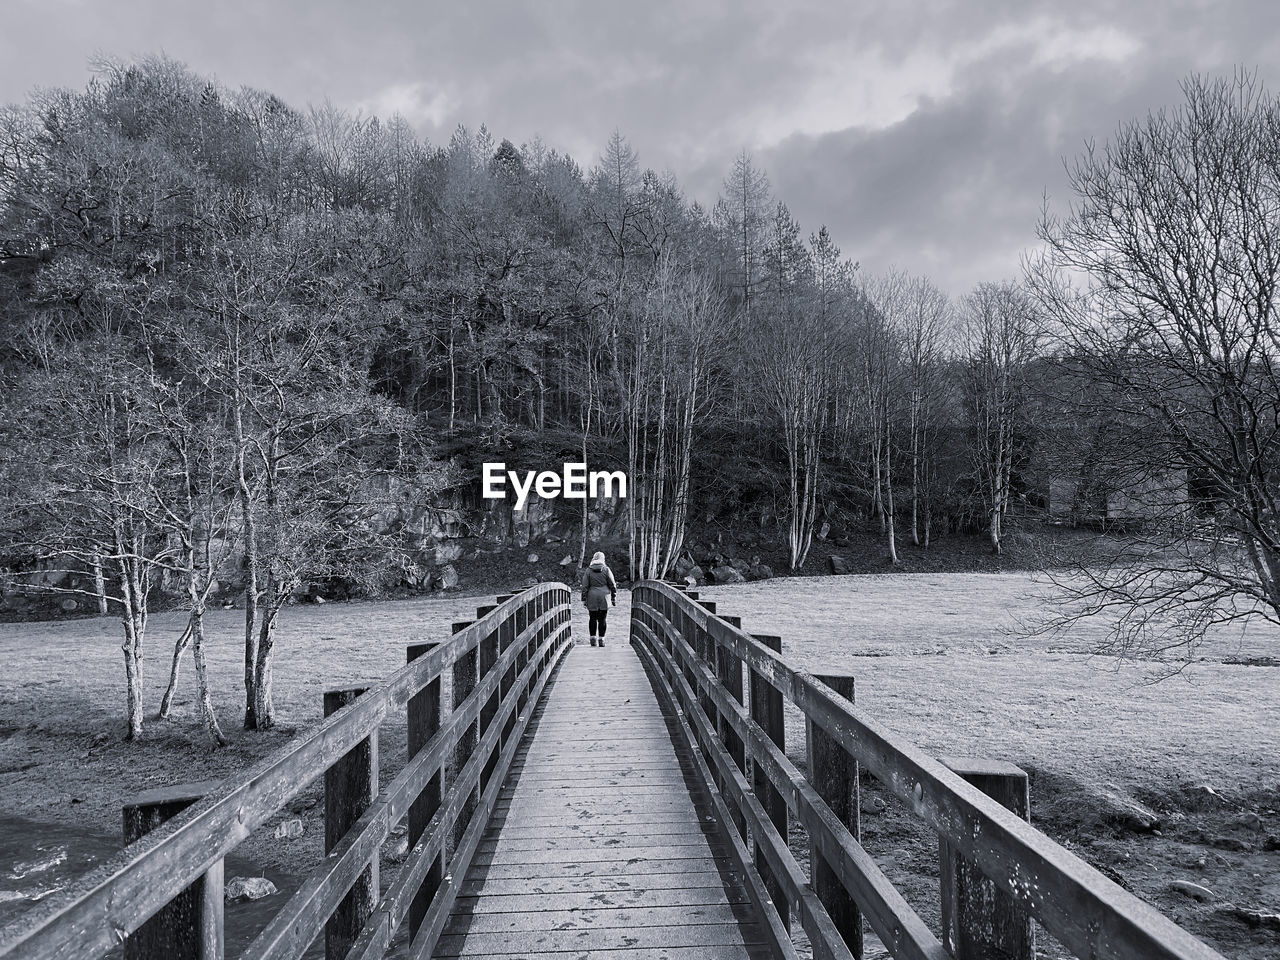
(593, 641)
(602, 641)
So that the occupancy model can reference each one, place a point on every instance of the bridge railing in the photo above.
(997, 871)
(162, 896)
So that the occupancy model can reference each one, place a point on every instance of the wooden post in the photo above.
(729, 672)
(979, 920)
(464, 682)
(424, 721)
(506, 635)
(834, 774)
(766, 711)
(190, 926)
(350, 788)
(488, 660)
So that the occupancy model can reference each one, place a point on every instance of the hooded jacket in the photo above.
(598, 586)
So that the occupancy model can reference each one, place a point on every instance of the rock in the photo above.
(872, 805)
(1246, 821)
(318, 599)
(249, 888)
(1251, 918)
(532, 558)
(690, 582)
(303, 804)
(1123, 811)
(566, 561)
(727, 574)
(448, 577)
(290, 830)
(447, 552)
(399, 851)
(824, 531)
(1193, 890)
(683, 565)
(838, 565)
(69, 604)
(695, 574)
(762, 571)
(1271, 843)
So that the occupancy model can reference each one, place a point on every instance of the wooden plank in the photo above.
(593, 918)
(594, 884)
(538, 941)
(524, 901)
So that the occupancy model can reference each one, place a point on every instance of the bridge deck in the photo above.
(599, 845)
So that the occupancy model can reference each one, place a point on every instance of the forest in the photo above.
(239, 333)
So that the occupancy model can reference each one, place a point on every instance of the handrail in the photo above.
(516, 644)
(696, 651)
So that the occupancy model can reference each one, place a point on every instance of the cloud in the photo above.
(922, 133)
(423, 105)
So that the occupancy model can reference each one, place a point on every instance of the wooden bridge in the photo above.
(631, 802)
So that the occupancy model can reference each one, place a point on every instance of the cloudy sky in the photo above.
(923, 134)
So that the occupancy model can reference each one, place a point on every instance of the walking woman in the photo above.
(596, 583)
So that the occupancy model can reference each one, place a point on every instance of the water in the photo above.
(39, 859)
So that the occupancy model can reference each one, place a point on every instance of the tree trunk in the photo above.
(166, 702)
(888, 499)
(100, 586)
(204, 699)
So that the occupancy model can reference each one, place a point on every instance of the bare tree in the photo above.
(1162, 285)
(666, 390)
(1000, 341)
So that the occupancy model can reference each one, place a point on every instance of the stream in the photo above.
(39, 859)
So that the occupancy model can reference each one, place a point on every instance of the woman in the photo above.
(598, 581)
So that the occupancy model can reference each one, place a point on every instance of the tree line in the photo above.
(241, 333)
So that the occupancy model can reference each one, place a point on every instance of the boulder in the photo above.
(690, 582)
(566, 561)
(682, 566)
(249, 888)
(290, 829)
(532, 558)
(761, 571)
(824, 531)
(448, 577)
(838, 565)
(1120, 810)
(872, 805)
(1192, 890)
(448, 552)
(727, 574)
(696, 574)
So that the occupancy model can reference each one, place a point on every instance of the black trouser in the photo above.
(596, 625)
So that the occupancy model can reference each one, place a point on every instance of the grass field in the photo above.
(938, 658)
